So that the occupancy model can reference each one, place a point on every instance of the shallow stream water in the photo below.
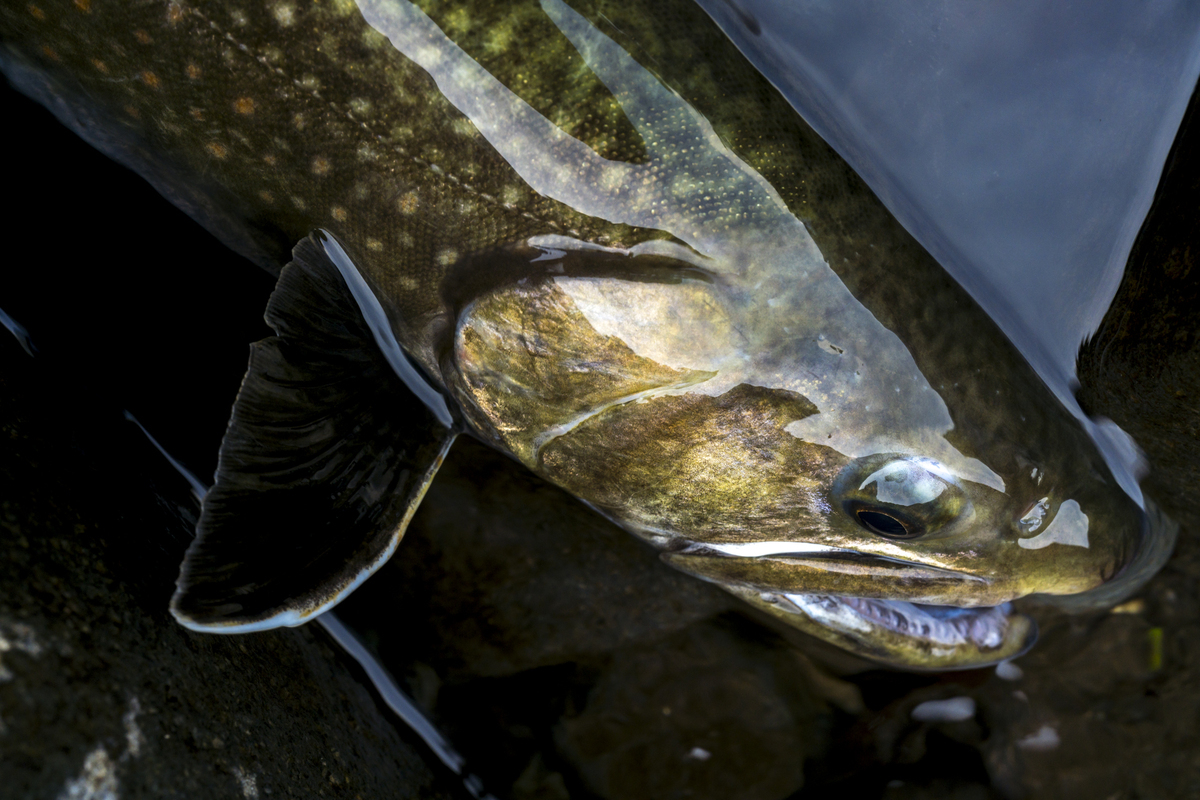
(558, 654)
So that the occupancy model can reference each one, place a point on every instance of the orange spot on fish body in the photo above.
(133, 112)
(50, 53)
(174, 13)
(84, 5)
(142, 36)
(36, 12)
(339, 213)
(217, 150)
(408, 203)
(193, 71)
(100, 65)
(320, 165)
(244, 105)
(150, 79)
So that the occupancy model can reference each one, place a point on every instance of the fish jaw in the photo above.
(847, 573)
(899, 634)
(902, 614)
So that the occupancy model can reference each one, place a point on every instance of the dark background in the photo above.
(132, 306)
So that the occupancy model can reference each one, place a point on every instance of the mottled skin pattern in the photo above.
(267, 120)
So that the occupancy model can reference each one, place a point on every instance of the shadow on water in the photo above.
(555, 650)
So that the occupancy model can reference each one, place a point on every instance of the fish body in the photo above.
(639, 273)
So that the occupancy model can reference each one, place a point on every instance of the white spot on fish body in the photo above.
(510, 196)
(464, 128)
(285, 14)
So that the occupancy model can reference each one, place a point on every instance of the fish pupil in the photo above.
(882, 524)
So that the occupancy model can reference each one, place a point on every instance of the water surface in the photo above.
(1019, 141)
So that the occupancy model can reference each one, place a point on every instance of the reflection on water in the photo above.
(1020, 142)
(566, 660)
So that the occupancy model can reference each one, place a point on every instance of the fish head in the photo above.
(773, 401)
(650, 395)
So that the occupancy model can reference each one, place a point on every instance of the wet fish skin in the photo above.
(268, 121)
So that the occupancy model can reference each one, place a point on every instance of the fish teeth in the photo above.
(983, 627)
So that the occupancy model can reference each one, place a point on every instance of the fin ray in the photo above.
(325, 459)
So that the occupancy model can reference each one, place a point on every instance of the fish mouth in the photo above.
(901, 613)
(938, 627)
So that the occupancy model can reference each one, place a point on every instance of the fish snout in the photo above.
(1076, 544)
(1133, 560)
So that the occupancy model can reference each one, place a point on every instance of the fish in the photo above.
(639, 273)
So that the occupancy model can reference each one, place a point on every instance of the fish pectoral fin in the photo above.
(327, 455)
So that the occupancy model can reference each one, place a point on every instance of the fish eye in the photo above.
(900, 497)
(885, 525)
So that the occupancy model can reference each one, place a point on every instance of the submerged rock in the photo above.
(705, 713)
(102, 694)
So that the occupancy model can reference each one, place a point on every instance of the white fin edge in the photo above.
(377, 321)
(292, 618)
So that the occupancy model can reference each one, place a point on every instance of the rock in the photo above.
(705, 713)
(102, 694)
